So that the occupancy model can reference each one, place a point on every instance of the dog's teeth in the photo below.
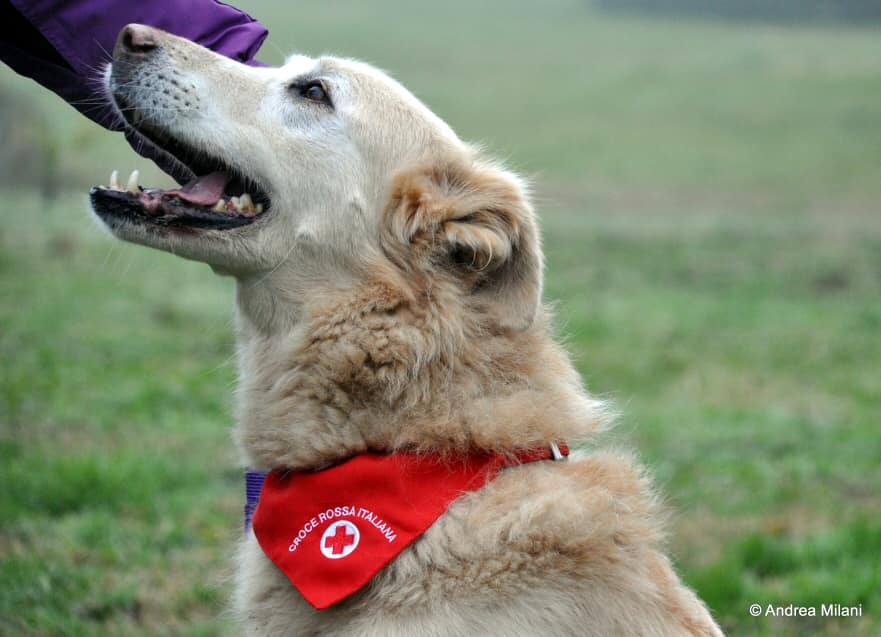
(220, 206)
(114, 181)
(246, 203)
(132, 185)
(259, 208)
(237, 203)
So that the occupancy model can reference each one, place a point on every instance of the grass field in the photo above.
(711, 204)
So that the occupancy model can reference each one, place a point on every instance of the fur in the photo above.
(391, 299)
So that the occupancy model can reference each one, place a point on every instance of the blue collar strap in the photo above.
(253, 486)
(254, 481)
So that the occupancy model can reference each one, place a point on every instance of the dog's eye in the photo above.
(314, 92)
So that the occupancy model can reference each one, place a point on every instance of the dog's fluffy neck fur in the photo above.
(374, 367)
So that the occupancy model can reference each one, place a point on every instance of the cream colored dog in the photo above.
(389, 297)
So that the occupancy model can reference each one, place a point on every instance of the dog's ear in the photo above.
(474, 221)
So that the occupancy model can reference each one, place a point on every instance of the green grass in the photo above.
(744, 349)
(710, 203)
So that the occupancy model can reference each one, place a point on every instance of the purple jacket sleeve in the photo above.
(65, 44)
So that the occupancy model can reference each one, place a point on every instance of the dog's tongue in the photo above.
(203, 191)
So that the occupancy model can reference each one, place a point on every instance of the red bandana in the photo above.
(331, 531)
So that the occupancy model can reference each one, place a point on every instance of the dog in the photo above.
(389, 305)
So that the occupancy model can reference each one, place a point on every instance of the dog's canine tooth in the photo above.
(114, 181)
(220, 206)
(132, 185)
(237, 203)
(245, 201)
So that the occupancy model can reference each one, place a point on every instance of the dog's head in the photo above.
(312, 173)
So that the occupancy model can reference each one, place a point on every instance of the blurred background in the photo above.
(709, 180)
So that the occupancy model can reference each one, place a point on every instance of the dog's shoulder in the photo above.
(571, 545)
(566, 516)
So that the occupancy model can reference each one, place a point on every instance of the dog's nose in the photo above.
(136, 39)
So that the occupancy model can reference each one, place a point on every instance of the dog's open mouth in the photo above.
(216, 196)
